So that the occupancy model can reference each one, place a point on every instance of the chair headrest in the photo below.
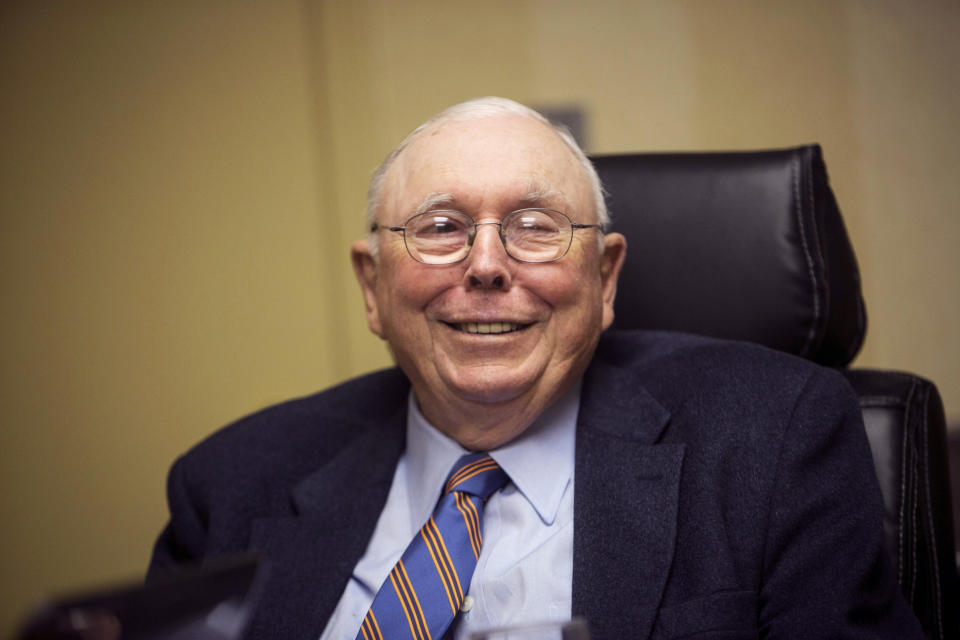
(741, 245)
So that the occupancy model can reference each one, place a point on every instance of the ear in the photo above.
(611, 261)
(365, 268)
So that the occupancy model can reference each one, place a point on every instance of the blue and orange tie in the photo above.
(425, 589)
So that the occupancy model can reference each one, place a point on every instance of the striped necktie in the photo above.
(425, 589)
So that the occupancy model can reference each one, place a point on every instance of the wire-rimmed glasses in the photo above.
(446, 236)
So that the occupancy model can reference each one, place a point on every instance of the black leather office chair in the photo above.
(751, 246)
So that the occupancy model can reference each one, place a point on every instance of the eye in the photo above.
(435, 225)
(533, 223)
(441, 226)
(536, 224)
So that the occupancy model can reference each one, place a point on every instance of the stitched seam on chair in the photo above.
(903, 500)
(818, 249)
(912, 454)
(932, 538)
(798, 210)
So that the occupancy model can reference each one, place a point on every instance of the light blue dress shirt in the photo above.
(525, 570)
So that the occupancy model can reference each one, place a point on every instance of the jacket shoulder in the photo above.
(676, 364)
(290, 439)
(723, 390)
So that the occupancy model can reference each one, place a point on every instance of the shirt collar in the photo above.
(539, 462)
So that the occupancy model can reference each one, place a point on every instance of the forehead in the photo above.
(489, 165)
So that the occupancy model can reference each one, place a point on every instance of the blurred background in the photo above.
(180, 181)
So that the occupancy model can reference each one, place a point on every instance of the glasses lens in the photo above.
(438, 237)
(537, 235)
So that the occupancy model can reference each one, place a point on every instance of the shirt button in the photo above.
(467, 604)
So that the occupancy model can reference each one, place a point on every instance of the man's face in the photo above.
(538, 323)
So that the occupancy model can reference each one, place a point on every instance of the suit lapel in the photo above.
(310, 555)
(625, 505)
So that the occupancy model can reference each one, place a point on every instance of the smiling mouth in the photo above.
(487, 327)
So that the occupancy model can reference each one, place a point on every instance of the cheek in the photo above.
(407, 290)
(569, 289)
(578, 310)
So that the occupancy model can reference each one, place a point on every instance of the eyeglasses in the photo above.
(528, 235)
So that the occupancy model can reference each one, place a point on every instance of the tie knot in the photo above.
(477, 474)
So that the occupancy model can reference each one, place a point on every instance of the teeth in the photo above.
(488, 327)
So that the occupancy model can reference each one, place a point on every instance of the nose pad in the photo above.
(489, 265)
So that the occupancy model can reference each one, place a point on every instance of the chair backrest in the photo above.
(751, 246)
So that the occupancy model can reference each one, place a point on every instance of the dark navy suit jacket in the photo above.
(721, 490)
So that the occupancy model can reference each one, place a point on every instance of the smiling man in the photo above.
(518, 466)
(493, 332)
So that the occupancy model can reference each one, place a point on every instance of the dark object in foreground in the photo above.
(209, 603)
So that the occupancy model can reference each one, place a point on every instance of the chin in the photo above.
(490, 384)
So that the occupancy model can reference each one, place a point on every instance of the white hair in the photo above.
(472, 110)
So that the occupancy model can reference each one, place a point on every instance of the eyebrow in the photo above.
(437, 201)
(537, 196)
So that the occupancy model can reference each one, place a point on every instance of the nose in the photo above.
(489, 266)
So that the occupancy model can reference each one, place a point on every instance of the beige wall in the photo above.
(179, 183)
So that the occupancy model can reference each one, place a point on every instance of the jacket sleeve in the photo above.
(826, 573)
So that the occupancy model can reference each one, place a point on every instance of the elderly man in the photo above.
(518, 467)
